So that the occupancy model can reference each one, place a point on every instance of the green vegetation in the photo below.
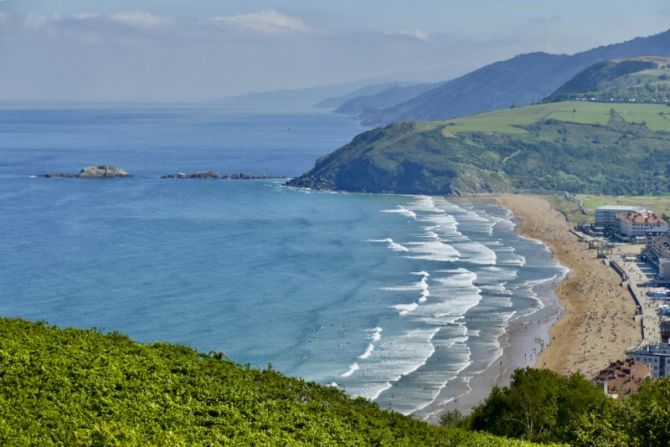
(543, 406)
(539, 405)
(516, 121)
(658, 203)
(570, 210)
(82, 388)
(579, 147)
(641, 80)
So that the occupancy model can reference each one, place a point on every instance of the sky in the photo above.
(183, 50)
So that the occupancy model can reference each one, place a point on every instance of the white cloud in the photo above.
(268, 21)
(416, 34)
(132, 19)
(140, 19)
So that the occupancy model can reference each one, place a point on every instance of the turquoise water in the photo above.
(389, 297)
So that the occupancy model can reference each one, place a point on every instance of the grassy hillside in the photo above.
(74, 387)
(640, 80)
(516, 121)
(576, 146)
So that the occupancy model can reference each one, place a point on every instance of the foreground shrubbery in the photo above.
(540, 405)
(74, 387)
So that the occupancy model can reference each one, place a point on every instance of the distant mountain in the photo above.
(640, 79)
(336, 102)
(309, 97)
(293, 98)
(389, 97)
(522, 80)
(573, 146)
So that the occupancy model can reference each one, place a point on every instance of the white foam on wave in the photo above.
(402, 355)
(422, 286)
(368, 352)
(402, 211)
(393, 245)
(405, 309)
(352, 369)
(377, 334)
(425, 204)
(434, 250)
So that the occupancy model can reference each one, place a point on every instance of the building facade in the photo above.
(641, 225)
(656, 356)
(606, 216)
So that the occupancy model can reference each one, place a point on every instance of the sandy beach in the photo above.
(597, 325)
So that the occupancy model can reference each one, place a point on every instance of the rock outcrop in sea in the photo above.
(216, 175)
(196, 175)
(100, 171)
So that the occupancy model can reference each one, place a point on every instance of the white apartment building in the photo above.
(656, 356)
(641, 225)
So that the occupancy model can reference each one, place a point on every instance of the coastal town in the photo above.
(635, 243)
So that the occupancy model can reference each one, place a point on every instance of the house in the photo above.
(656, 356)
(606, 216)
(622, 378)
(632, 225)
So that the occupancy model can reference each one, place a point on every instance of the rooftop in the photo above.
(642, 218)
(623, 378)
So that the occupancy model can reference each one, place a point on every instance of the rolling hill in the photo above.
(576, 146)
(639, 80)
(519, 81)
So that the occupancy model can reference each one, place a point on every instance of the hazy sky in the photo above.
(202, 49)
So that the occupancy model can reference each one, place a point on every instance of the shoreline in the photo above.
(588, 319)
(598, 322)
(518, 342)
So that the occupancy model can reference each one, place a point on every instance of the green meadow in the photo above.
(515, 121)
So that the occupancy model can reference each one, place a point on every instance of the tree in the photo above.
(539, 405)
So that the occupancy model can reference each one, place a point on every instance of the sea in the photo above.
(392, 298)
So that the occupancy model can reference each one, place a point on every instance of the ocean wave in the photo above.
(368, 352)
(352, 369)
(433, 251)
(393, 245)
(402, 211)
(405, 309)
(377, 334)
(425, 204)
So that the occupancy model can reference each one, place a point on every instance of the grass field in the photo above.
(660, 204)
(509, 121)
(572, 212)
